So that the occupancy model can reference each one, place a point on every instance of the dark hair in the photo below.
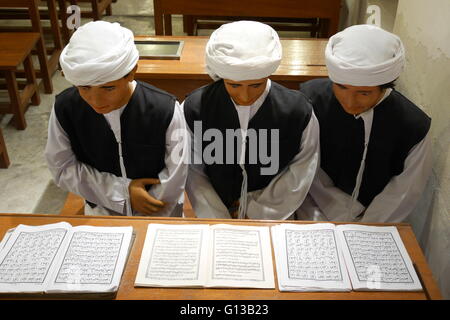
(129, 72)
(388, 85)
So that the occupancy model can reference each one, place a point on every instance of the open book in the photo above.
(325, 257)
(198, 255)
(58, 258)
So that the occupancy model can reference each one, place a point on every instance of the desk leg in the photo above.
(31, 80)
(15, 100)
(45, 68)
(333, 26)
(54, 23)
(4, 159)
(66, 33)
(95, 10)
(168, 24)
(188, 25)
(41, 49)
(109, 10)
(158, 18)
(324, 28)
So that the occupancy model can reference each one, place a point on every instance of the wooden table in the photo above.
(325, 9)
(29, 9)
(16, 50)
(139, 224)
(303, 59)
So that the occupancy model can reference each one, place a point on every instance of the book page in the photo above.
(29, 255)
(377, 259)
(92, 260)
(174, 256)
(240, 256)
(308, 258)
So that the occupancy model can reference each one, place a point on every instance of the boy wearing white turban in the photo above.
(375, 144)
(259, 113)
(109, 136)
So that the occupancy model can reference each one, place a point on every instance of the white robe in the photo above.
(107, 190)
(284, 194)
(325, 202)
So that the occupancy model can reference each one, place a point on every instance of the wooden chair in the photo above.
(187, 208)
(74, 205)
(16, 50)
(98, 7)
(4, 159)
(47, 66)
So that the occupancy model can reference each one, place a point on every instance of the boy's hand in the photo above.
(140, 200)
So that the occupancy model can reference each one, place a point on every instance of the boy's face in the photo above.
(108, 96)
(356, 99)
(246, 92)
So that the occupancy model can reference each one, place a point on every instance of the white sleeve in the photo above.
(101, 188)
(173, 176)
(204, 199)
(401, 194)
(328, 201)
(286, 192)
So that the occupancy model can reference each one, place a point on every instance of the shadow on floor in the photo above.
(52, 200)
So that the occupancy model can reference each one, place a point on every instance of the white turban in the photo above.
(243, 50)
(99, 52)
(364, 55)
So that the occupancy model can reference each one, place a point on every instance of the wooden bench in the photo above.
(15, 50)
(9, 9)
(325, 11)
(4, 159)
(74, 205)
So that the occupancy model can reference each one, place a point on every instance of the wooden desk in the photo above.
(139, 224)
(29, 9)
(303, 59)
(16, 50)
(325, 9)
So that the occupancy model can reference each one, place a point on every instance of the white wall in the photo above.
(424, 27)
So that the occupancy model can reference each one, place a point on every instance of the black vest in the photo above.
(144, 122)
(283, 109)
(398, 125)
